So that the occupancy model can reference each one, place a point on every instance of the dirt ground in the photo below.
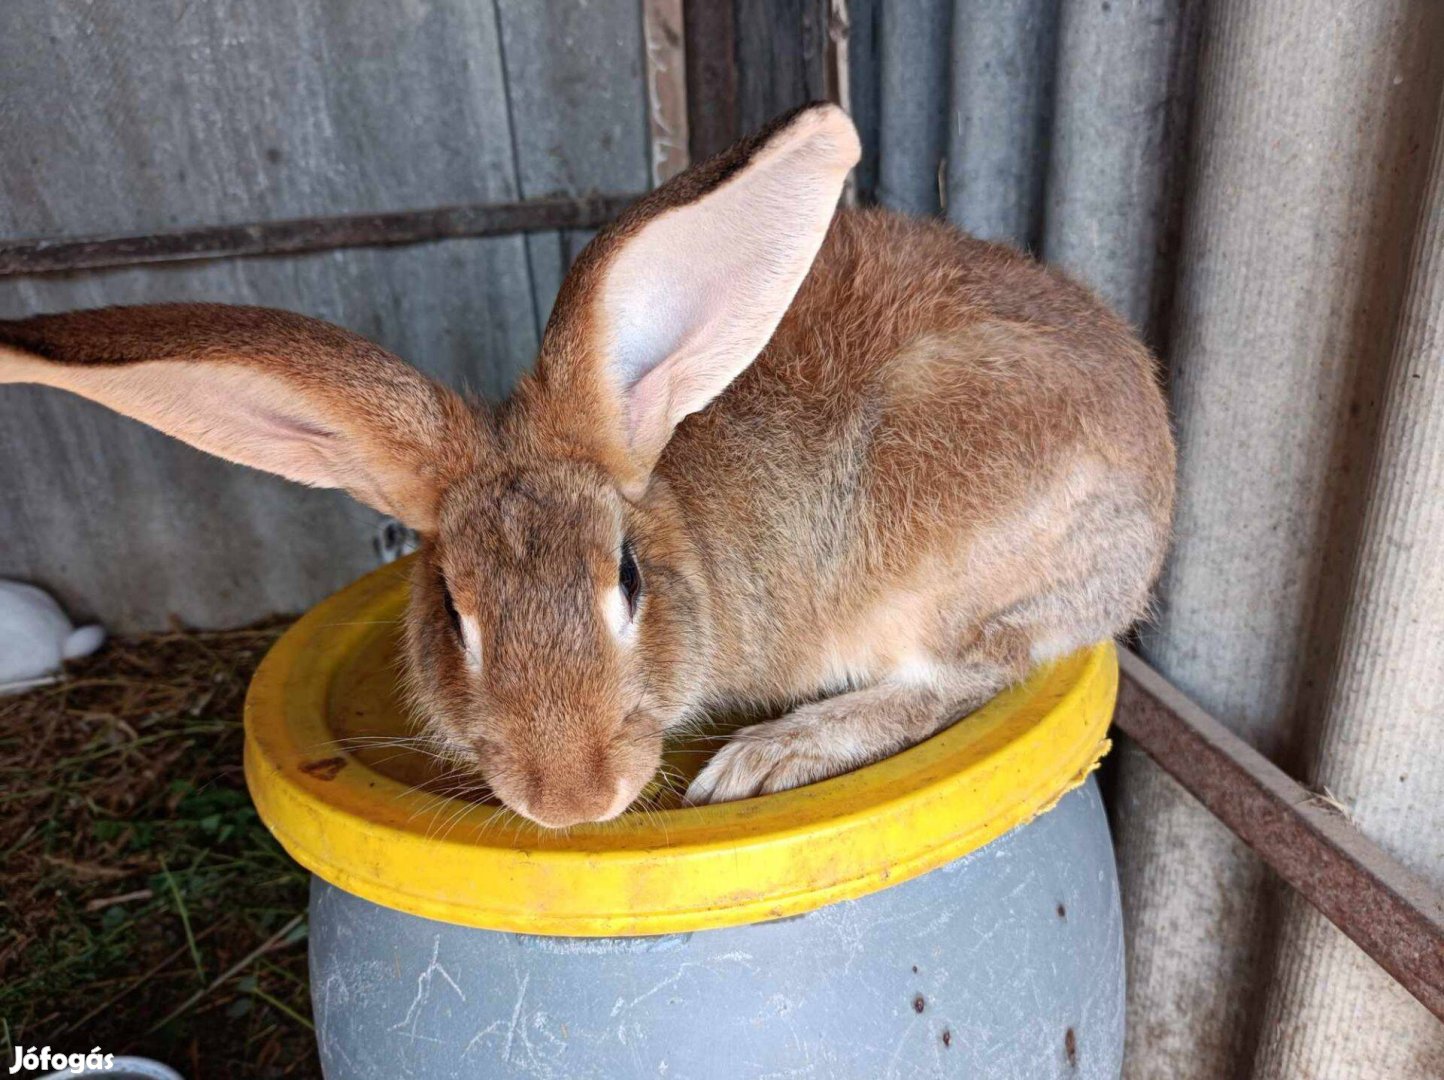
(145, 907)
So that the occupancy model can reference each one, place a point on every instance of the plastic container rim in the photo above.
(663, 872)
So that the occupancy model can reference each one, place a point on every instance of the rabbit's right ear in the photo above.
(265, 388)
(670, 304)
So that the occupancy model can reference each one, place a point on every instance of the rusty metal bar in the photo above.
(1386, 909)
(296, 236)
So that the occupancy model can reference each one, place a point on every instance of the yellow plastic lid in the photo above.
(359, 820)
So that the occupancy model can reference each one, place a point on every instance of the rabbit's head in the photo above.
(555, 626)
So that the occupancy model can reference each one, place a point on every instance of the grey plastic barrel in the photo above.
(1006, 963)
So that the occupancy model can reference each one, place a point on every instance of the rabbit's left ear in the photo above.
(270, 389)
(671, 303)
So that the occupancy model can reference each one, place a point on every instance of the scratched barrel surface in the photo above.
(950, 912)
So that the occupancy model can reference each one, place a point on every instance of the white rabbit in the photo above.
(36, 636)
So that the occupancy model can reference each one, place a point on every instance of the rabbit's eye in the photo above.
(451, 612)
(629, 578)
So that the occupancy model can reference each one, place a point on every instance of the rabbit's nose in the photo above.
(559, 803)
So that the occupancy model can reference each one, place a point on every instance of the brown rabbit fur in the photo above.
(947, 464)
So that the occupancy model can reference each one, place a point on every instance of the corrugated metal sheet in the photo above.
(1056, 127)
(1261, 242)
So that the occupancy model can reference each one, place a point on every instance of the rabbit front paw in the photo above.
(769, 757)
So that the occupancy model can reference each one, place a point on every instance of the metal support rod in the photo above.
(291, 237)
(1386, 909)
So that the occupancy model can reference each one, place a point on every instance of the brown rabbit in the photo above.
(771, 455)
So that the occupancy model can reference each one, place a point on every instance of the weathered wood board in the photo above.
(133, 118)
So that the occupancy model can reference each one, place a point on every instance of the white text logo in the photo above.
(42, 1057)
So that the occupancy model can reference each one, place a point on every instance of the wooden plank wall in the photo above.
(749, 60)
(129, 118)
